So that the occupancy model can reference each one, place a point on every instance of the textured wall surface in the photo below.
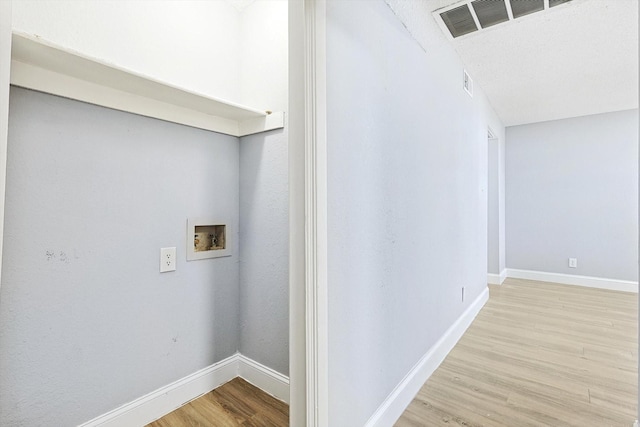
(88, 322)
(264, 195)
(213, 48)
(494, 217)
(407, 214)
(572, 192)
(264, 250)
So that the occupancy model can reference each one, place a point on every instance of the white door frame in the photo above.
(5, 68)
(308, 213)
(316, 213)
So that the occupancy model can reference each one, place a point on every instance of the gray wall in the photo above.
(264, 249)
(496, 257)
(493, 190)
(88, 322)
(407, 203)
(572, 191)
(264, 195)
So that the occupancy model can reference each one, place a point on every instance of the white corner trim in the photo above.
(395, 404)
(497, 279)
(264, 378)
(160, 402)
(570, 279)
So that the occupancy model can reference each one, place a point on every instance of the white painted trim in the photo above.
(160, 402)
(570, 279)
(395, 404)
(264, 378)
(261, 124)
(5, 69)
(296, 122)
(315, 110)
(636, 424)
(497, 279)
(44, 66)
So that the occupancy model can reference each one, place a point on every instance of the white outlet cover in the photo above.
(167, 259)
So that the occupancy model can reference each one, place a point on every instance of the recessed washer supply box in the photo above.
(207, 238)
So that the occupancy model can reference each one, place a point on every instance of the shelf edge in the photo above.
(41, 65)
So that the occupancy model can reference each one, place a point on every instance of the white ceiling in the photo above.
(575, 59)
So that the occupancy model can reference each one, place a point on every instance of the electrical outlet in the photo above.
(167, 259)
(573, 262)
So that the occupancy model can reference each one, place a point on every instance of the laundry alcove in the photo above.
(106, 164)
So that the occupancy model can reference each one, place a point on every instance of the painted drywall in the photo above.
(264, 55)
(493, 214)
(92, 195)
(191, 44)
(264, 202)
(496, 257)
(407, 197)
(572, 192)
(5, 61)
(240, 55)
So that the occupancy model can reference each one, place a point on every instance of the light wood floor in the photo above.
(538, 354)
(234, 404)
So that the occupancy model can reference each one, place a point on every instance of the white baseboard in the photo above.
(395, 404)
(570, 279)
(264, 378)
(496, 279)
(160, 402)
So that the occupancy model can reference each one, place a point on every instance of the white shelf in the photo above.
(41, 65)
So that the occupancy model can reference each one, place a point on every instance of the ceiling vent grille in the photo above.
(459, 21)
(525, 7)
(470, 16)
(553, 3)
(490, 12)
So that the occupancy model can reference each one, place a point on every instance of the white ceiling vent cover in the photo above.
(467, 83)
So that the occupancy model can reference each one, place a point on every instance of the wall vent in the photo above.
(472, 16)
(467, 83)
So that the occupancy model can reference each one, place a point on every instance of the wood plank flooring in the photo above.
(538, 354)
(234, 404)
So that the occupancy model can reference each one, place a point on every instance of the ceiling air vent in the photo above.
(472, 17)
(525, 7)
(556, 2)
(490, 12)
(459, 21)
